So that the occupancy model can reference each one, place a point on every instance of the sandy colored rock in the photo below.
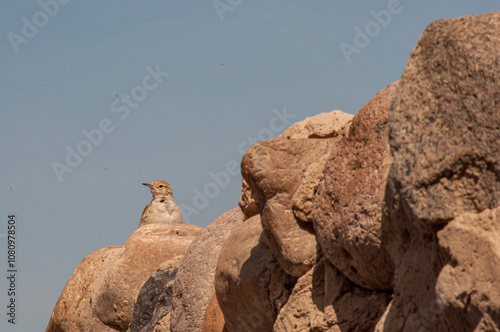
(323, 125)
(444, 133)
(194, 285)
(93, 323)
(154, 301)
(274, 170)
(73, 307)
(143, 252)
(303, 198)
(249, 283)
(280, 175)
(349, 203)
(444, 124)
(468, 286)
(163, 325)
(325, 300)
(248, 201)
(172, 263)
(214, 318)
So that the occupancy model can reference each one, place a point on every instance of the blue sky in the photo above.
(231, 77)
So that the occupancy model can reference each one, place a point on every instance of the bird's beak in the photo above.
(147, 185)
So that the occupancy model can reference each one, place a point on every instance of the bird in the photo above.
(162, 208)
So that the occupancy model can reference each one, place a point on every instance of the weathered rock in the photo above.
(444, 133)
(349, 203)
(194, 285)
(323, 125)
(248, 201)
(274, 170)
(143, 252)
(73, 307)
(249, 283)
(444, 124)
(172, 263)
(93, 323)
(163, 325)
(468, 286)
(154, 301)
(325, 300)
(281, 175)
(214, 318)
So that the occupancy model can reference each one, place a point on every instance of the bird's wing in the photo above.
(145, 215)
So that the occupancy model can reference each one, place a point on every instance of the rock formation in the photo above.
(194, 285)
(325, 300)
(250, 285)
(101, 293)
(282, 174)
(154, 302)
(73, 307)
(214, 318)
(385, 221)
(350, 199)
(444, 183)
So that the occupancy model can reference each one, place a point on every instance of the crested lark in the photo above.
(162, 208)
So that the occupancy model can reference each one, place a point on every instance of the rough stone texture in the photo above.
(154, 301)
(194, 285)
(325, 300)
(143, 252)
(468, 286)
(303, 199)
(172, 263)
(280, 177)
(94, 324)
(274, 170)
(323, 125)
(248, 201)
(445, 122)
(73, 307)
(349, 203)
(214, 318)
(249, 283)
(445, 178)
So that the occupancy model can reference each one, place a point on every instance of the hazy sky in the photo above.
(98, 97)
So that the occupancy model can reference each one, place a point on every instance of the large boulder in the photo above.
(325, 300)
(194, 285)
(249, 283)
(444, 185)
(349, 202)
(444, 124)
(282, 175)
(144, 251)
(73, 307)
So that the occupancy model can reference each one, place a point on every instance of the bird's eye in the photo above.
(161, 186)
